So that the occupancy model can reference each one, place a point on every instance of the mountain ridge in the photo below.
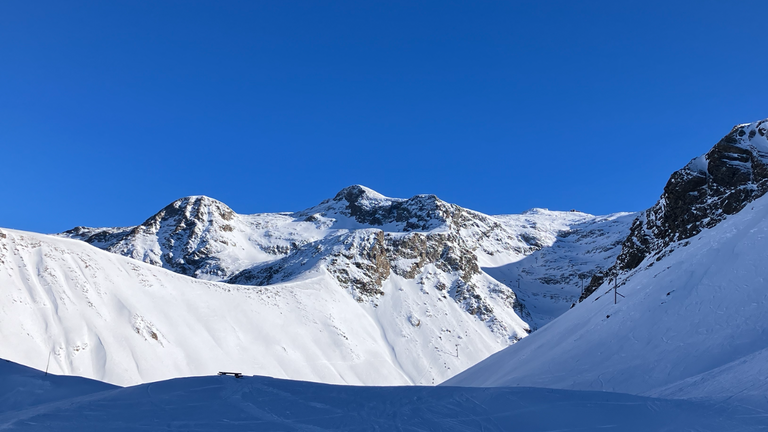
(685, 319)
(360, 236)
(721, 182)
(407, 302)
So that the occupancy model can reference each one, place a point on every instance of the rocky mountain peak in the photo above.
(198, 213)
(367, 207)
(193, 210)
(699, 196)
(184, 236)
(371, 245)
(359, 195)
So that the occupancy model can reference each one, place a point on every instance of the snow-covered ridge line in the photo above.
(359, 236)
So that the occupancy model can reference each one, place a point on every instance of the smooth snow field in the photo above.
(30, 401)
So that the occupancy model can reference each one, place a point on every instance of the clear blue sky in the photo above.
(110, 110)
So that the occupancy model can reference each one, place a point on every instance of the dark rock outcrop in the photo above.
(699, 196)
(420, 213)
(102, 238)
(183, 236)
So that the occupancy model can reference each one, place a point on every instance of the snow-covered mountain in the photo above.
(698, 196)
(200, 237)
(112, 318)
(366, 289)
(361, 238)
(360, 289)
(691, 322)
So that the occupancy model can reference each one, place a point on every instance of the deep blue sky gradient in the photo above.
(110, 110)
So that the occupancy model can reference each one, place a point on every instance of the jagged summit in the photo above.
(196, 210)
(195, 205)
(719, 183)
(356, 193)
(358, 206)
(186, 236)
(183, 236)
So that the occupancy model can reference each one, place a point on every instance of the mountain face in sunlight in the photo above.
(359, 289)
(362, 237)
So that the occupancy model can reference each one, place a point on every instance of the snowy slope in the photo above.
(23, 387)
(701, 307)
(259, 403)
(693, 320)
(115, 319)
(360, 289)
(741, 382)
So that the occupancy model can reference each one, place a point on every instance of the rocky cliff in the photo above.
(699, 196)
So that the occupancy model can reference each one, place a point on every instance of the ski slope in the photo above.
(692, 319)
(22, 387)
(213, 403)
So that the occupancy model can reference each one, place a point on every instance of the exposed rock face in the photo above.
(366, 242)
(358, 261)
(420, 213)
(446, 251)
(699, 196)
(417, 236)
(183, 237)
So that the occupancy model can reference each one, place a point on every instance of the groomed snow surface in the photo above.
(30, 401)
